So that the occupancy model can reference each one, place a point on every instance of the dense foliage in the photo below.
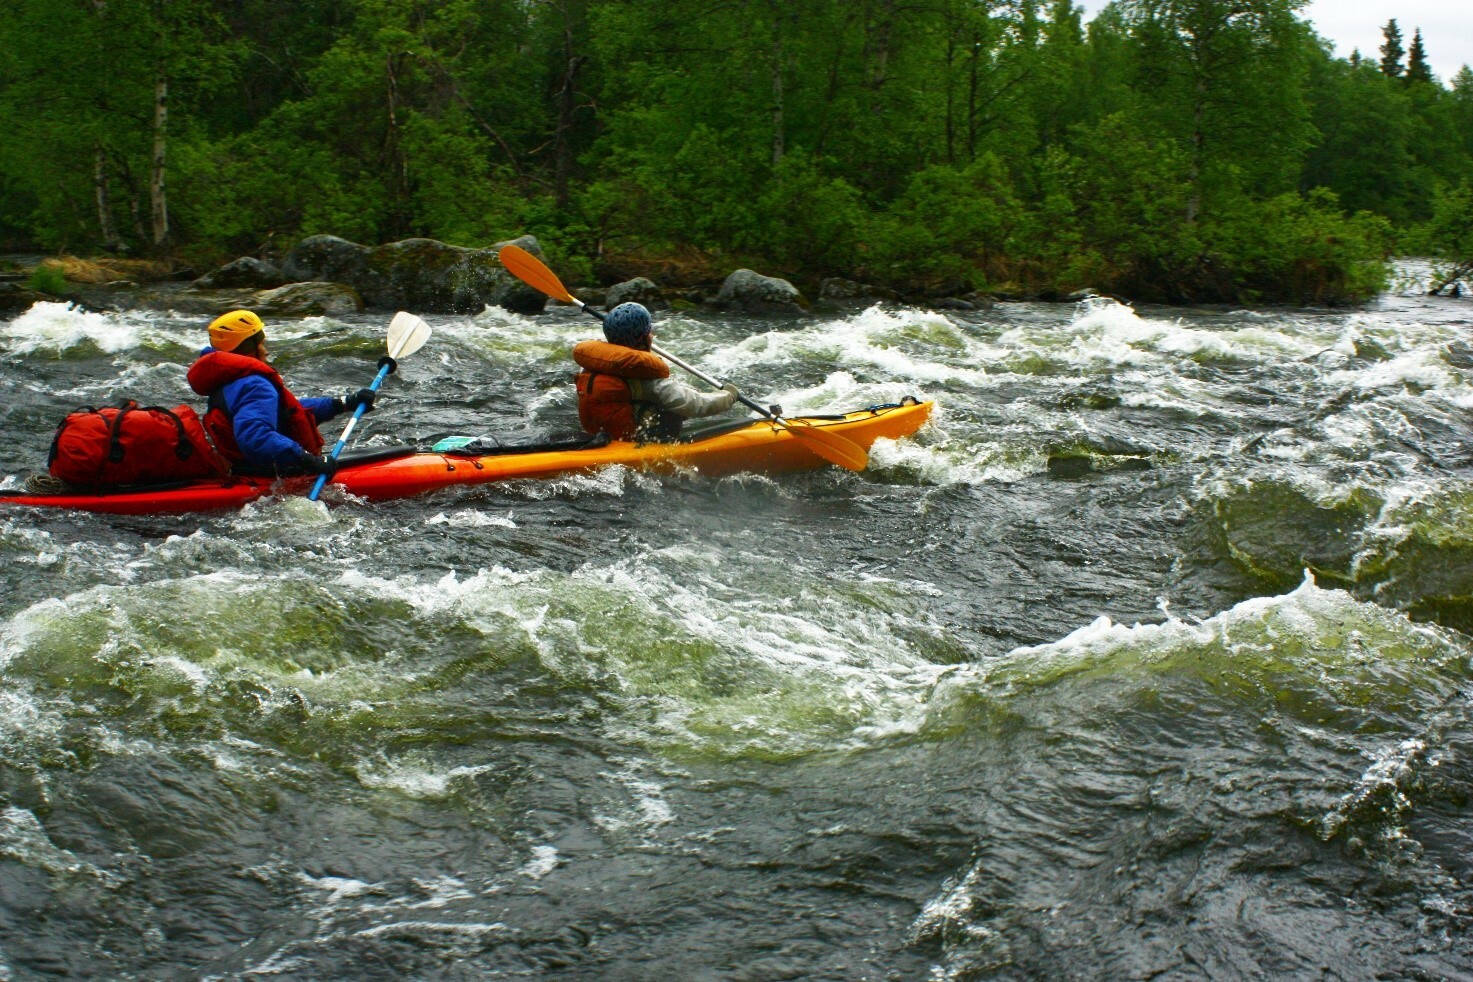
(1182, 149)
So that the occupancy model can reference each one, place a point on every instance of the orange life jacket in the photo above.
(611, 396)
(216, 369)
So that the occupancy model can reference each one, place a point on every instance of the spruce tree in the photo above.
(1392, 51)
(1417, 68)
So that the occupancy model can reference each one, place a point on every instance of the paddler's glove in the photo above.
(313, 464)
(363, 397)
(735, 394)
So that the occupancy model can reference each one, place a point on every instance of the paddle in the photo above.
(407, 334)
(830, 446)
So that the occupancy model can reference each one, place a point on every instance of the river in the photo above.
(1145, 658)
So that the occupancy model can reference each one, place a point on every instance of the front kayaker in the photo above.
(626, 390)
(254, 419)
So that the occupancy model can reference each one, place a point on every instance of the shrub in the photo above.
(47, 278)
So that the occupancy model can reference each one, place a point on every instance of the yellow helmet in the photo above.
(228, 330)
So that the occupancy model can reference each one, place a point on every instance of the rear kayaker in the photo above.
(381, 474)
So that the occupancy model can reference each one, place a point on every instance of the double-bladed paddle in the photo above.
(407, 334)
(830, 446)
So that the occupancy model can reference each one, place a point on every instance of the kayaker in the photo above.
(626, 390)
(254, 420)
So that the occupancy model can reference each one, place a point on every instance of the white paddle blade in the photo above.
(407, 334)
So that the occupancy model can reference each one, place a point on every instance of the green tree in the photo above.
(1417, 68)
(1392, 51)
(1226, 78)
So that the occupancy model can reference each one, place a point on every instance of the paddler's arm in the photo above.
(252, 403)
(322, 408)
(675, 396)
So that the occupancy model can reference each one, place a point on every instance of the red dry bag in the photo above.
(132, 445)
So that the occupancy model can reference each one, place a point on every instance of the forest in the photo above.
(1167, 150)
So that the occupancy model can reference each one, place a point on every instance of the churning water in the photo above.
(1148, 657)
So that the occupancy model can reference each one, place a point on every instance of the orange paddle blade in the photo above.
(533, 272)
(832, 447)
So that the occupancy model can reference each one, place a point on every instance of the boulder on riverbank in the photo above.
(17, 299)
(749, 292)
(247, 272)
(311, 299)
(836, 289)
(637, 290)
(421, 275)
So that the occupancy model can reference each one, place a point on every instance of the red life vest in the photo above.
(216, 369)
(610, 396)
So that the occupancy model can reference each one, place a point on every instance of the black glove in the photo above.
(313, 464)
(363, 397)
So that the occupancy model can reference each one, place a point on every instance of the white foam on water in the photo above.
(21, 717)
(610, 481)
(885, 343)
(161, 383)
(544, 860)
(59, 327)
(414, 780)
(1391, 770)
(1331, 622)
(471, 518)
(339, 889)
(948, 463)
(649, 808)
(1418, 369)
(840, 389)
(431, 931)
(514, 339)
(24, 839)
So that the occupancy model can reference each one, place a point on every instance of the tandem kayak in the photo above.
(384, 473)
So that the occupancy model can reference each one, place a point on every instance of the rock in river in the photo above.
(421, 275)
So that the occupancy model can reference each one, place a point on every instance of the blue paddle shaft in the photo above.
(378, 380)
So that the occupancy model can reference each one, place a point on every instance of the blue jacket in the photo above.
(254, 408)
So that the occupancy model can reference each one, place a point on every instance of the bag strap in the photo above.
(183, 449)
(115, 435)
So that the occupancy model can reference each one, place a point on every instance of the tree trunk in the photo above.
(950, 99)
(879, 76)
(563, 152)
(778, 142)
(398, 163)
(104, 201)
(1194, 175)
(974, 82)
(156, 191)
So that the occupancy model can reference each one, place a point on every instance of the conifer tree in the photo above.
(1417, 68)
(1392, 51)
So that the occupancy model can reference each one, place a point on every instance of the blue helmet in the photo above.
(627, 324)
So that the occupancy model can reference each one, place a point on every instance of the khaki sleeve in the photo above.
(677, 397)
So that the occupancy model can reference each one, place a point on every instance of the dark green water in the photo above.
(1145, 659)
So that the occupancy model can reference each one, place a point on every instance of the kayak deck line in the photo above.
(387, 473)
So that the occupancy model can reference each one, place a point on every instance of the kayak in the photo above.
(385, 473)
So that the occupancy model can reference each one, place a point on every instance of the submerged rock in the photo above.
(247, 271)
(423, 275)
(753, 293)
(317, 299)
